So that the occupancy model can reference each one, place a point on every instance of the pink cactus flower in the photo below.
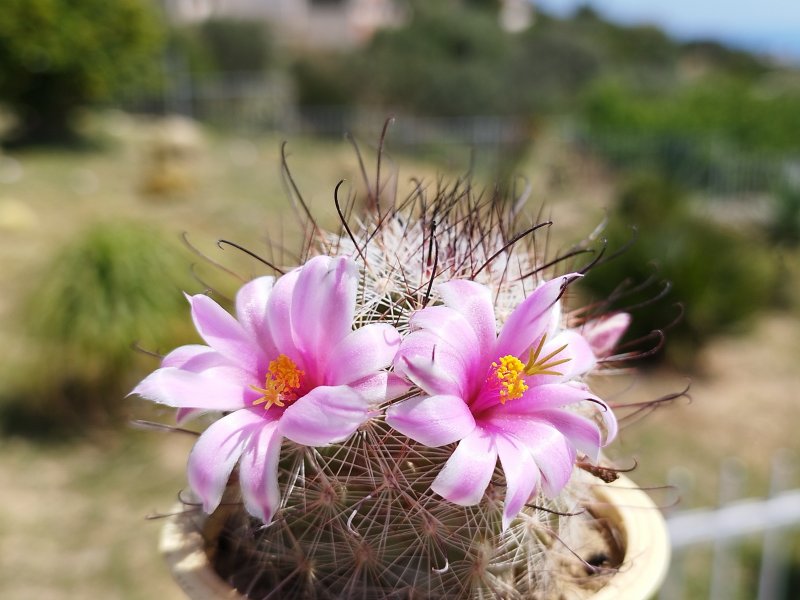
(499, 396)
(289, 365)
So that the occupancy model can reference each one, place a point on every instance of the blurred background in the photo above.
(125, 124)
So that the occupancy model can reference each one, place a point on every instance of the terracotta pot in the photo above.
(188, 537)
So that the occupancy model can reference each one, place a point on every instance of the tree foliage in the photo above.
(58, 55)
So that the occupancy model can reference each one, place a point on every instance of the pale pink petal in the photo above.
(224, 333)
(429, 375)
(579, 356)
(323, 307)
(474, 302)
(521, 475)
(581, 432)
(182, 415)
(197, 359)
(216, 452)
(435, 365)
(467, 472)
(324, 416)
(432, 420)
(604, 333)
(194, 357)
(554, 396)
(610, 422)
(445, 328)
(279, 320)
(251, 312)
(582, 359)
(553, 454)
(543, 397)
(184, 389)
(258, 472)
(531, 318)
(380, 387)
(361, 353)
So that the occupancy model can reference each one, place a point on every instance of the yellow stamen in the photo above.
(282, 380)
(541, 366)
(512, 386)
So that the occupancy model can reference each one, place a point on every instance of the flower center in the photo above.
(510, 370)
(509, 373)
(282, 381)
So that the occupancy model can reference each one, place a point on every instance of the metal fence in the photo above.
(769, 528)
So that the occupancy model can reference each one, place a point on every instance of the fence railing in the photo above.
(768, 525)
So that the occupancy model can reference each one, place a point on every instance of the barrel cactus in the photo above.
(405, 414)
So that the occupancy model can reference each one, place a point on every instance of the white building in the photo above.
(314, 23)
(326, 23)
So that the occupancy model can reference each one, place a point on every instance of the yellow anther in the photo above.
(541, 366)
(282, 380)
(509, 372)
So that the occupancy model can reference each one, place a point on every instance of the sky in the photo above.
(766, 26)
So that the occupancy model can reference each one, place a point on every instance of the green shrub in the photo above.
(721, 277)
(784, 227)
(60, 55)
(721, 107)
(115, 286)
(323, 81)
(437, 64)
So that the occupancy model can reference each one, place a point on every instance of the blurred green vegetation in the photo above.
(60, 55)
(223, 47)
(723, 277)
(438, 65)
(115, 286)
(784, 227)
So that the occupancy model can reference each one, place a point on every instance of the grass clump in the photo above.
(115, 286)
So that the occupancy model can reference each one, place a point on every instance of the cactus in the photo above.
(358, 518)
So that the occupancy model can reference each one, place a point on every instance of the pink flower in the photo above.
(289, 365)
(499, 396)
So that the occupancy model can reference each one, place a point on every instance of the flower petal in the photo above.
(553, 454)
(554, 396)
(604, 333)
(251, 312)
(258, 472)
(581, 432)
(543, 397)
(194, 357)
(324, 416)
(521, 475)
(577, 352)
(184, 414)
(582, 359)
(435, 365)
(224, 333)
(279, 320)
(185, 389)
(380, 387)
(197, 359)
(467, 472)
(361, 353)
(474, 302)
(432, 420)
(216, 451)
(323, 306)
(531, 318)
(445, 328)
